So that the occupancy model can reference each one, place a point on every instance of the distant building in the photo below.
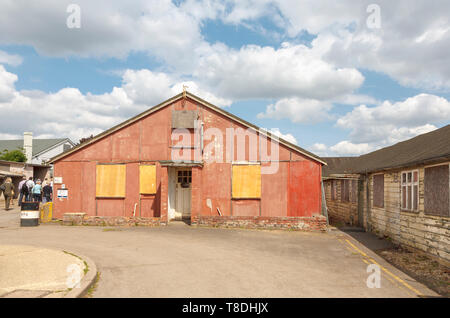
(37, 151)
(401, 191)
(17, 170)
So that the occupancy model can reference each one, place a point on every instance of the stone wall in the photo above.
(338, 211)
(83, 219)
(315, 223)
(411, 229)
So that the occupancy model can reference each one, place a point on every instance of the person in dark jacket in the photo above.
(47, 193)
(8, 191)
(24, 193)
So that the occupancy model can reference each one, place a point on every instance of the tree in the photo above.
(13, 155)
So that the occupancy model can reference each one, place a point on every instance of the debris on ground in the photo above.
(421, 267)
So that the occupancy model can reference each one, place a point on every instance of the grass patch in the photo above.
(91, 290)
(111, 230)
(86, 266)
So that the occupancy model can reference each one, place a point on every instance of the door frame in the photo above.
(172, 192)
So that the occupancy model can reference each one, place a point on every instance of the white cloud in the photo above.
(298, 110)
(69, 113)
(319, 149)
(265, 72)
(388, 123)
(346, 148)
(287, 137)
(392, 122)
(7, 81)
(11, 59)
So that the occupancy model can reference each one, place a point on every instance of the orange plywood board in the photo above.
(147, 179)
(246, 182)
(110, 181)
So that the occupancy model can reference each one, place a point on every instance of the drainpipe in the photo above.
(369, 229)
(324, 203)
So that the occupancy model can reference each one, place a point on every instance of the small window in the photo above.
(436, 189)
(378, 190)
(246, 182)
(410, 190)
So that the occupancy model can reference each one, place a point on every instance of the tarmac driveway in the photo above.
(183, 261)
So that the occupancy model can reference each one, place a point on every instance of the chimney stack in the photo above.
(28, 145)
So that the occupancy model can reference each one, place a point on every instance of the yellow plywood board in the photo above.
(147, 179)
(246, 182)
(111, 181)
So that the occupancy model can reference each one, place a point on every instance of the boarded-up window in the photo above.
(345, 190)
(378, 190)
(246, 181)
(437, 191)
(147, 179)
(354, 191)
(333, 190)
(410, 190)
(110, 181)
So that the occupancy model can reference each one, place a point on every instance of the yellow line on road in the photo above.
(385, 270)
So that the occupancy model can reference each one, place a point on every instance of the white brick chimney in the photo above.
(28, 145)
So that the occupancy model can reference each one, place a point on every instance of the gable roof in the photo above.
(200, 101)
(39, 145)
(427, 148)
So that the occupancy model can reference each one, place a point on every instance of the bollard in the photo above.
(29, 214)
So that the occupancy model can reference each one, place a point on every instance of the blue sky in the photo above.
(304, 69)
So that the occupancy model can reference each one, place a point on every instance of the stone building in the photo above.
(401, 192)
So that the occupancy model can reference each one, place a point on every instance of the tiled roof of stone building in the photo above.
(427, 148)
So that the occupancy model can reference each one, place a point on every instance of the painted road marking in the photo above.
(398, 279)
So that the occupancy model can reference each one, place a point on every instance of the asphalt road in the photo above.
(183, 261)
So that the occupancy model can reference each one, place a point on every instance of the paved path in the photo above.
(28, 271)
(183, 261)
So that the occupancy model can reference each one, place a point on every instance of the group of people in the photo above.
(29, 190)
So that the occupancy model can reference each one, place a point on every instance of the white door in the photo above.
(183, 193)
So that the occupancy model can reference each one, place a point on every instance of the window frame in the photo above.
(404, 185)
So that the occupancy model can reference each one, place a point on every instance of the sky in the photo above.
(338, 78)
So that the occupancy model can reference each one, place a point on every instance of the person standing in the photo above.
(30, 185)
(8, 191)
(21, 184)
(47, 193)
(37, 191)
(24, 193)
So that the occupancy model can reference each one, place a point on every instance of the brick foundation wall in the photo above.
(83, 219)
(315, 223)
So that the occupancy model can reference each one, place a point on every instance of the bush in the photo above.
(14, 155)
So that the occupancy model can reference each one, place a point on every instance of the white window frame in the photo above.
(409, 196)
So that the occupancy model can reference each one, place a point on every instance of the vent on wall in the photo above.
(184, 118)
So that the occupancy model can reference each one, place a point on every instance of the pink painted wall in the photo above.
(293, 191)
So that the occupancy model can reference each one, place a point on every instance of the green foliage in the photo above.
(13, 155)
